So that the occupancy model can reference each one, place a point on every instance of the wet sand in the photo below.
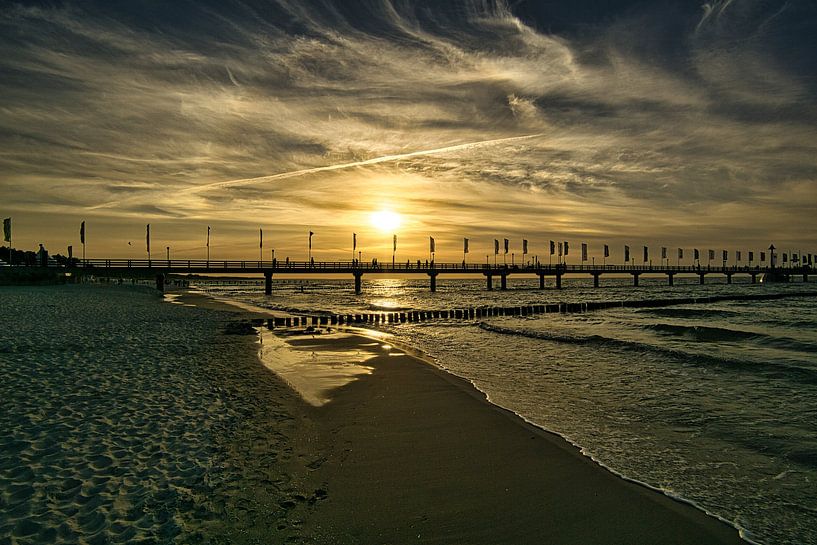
(414, 454)
(407, 453)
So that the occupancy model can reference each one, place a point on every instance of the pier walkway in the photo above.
(161, 267)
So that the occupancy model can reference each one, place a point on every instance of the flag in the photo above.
(795, 258)
(70, 252)
(762, 256)
(394, 242)
(809, 259)
(506, 245)
(626, 254)
(646, 254)
(354, 241)
(567, 248)
(751, 256)
(561, 249)
(663, 252)
(606, 251)
(147, 237)
(711, 254)
(496, 246)
(785, 258)
(524, 246)
(7, 229)
(737, 256)
(725, 255)
(208, 236)
(431, 244)
(552, 247)
(680, 253)
(697, 254)
(260, 238)
(82, 232)
(465, 245)
(584, 251)
(310, 239)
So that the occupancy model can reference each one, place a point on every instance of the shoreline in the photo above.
(716, 530)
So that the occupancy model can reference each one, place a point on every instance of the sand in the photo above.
(129, 419)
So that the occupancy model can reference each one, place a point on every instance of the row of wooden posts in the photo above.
(473, 313)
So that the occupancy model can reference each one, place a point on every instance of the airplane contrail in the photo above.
(341, 166)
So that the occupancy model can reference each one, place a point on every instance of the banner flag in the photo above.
(785, 258)
(552, 247)
(524, 246)
(711, 254)
(626, 254)
(697, 254)
(737, 255)
(394, 242)
(431, 244)
(646, 254)
(567, 248)
(584, 251)
(82, 232)
(310, 239)
(354, 241)
(496, 246)
(663, 252)
(7, 229)
(70, 252)
(465, 245)
(147, 237)
(506, 245)
(208, 236)
(751, 256)
(260, 238)
(725, 255)
(680, 253)
(606, 251)
(762, 256)
(561, 249)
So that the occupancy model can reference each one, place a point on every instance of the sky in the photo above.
(660, 123)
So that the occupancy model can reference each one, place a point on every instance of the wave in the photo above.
(704, 333)
(776, 371)
(689, 312)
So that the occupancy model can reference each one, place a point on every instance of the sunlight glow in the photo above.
(385, 220)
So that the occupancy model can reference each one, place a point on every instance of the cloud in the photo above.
(189, 113)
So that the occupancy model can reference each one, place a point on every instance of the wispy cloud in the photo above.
(701, 122)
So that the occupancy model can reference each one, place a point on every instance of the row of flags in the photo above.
(559, 248)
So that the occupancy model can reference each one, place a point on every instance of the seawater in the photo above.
(715, 404)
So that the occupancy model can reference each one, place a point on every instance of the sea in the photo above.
(714, 404)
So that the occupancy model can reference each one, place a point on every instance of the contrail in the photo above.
(341, 166)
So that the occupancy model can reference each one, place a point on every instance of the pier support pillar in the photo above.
(490, 282)
(728, 278)
(701, 275)
(268, 283)
(671, 278)
(160, 282)
(596, 279)
(433, 277)
(503, 281)
(754, 279)
(805, 277)
(541, 281)
(558, 281)
(635, 279)
(358, 276)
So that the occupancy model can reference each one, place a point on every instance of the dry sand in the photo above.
(407, 453)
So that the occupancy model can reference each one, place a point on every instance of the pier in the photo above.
(162, 267)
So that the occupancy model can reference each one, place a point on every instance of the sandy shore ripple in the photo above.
(128, 420)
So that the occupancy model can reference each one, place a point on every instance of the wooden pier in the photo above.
(163, 267)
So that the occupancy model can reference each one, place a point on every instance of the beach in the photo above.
(158, 425)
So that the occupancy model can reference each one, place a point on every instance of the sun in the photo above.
(385, 220)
